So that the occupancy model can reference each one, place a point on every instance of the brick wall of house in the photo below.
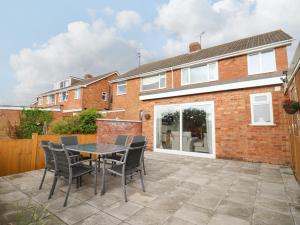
(92, 94)
(130, 101)
(235, 137)
(229, 69)
(108, 130)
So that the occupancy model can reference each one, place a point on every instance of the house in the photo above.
(75, 94)
(292, 91)
(223, 101)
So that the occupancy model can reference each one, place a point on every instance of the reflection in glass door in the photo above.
(186, 128)
(168, 128)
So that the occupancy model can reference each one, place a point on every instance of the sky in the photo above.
(42, 42)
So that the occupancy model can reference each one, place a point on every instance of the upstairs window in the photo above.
(121, 88)
(153, 82)
(50, 99)
(77, 93)
(63, 83)
(40, 101)
(104, 96)
(63, 96)
(261, 109)
(261, 62)
(199, 74)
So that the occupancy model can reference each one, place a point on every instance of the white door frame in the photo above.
(180, 152)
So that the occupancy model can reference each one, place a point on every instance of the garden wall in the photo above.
(109, 129)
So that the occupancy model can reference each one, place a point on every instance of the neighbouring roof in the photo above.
(213, 83)
(82, 82)
(231, 47)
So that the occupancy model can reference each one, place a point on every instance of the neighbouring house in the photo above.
(292, 90)
(75, 94)
(223, 101)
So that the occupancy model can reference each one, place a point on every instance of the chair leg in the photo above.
(77, 182)
(144, 166)
(142, 180)
(124, 187)
(80, 181)
(68, 192)
(96, 174)
(45, 171)
(53, 186)
(103, 179)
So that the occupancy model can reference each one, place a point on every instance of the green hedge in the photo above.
(83, 123)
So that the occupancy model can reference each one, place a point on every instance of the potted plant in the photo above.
(290, 106)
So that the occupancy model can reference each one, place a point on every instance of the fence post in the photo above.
(34, 139)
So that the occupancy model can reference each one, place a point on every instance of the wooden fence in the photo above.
(295, 153)
(21, 155)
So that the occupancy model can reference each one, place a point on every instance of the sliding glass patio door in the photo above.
(185, 128)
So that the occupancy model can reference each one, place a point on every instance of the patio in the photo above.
(179, 190)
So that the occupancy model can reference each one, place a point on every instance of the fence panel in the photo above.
(15, 156)
(21, 155)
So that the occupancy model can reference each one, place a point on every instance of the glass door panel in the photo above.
(168, 127)
(196, 128)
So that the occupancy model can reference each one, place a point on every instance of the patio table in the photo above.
(99, 150)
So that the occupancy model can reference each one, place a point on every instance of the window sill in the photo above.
(121, 94)
(263, 124)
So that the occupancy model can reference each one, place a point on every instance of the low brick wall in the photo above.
(109, 129)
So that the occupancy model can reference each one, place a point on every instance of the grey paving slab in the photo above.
(123, 210)
(234, 209)
(274, 205)
(177, 221)
(206, 199)
(76, 213)
(100, 219)
(267, 217)
(193, 214)
(219, 219)
(142, 198)
(104, 201)
(148, 216)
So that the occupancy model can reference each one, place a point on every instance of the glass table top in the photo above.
(98, 149)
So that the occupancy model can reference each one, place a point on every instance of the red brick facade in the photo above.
(235, 137)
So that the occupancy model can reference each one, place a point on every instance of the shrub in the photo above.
(32, 121)
(84, 123)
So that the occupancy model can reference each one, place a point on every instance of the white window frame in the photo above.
(40, 101)
(104, 94)
(124, 83)
(189, 74)
(159, 84)
(270, 101)
(77, 93)
(60, 96)
(260, 62)
(49, 97)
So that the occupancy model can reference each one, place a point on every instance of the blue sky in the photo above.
(44, 41)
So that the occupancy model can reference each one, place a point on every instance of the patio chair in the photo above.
(136, 139)
(49, 161)
(69, 169)
(129, 166)
(72, 140)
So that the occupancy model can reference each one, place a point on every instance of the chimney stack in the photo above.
(88, 76)
(194, 47)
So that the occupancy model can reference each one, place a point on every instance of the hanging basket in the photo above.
(290, 110)
(291, 107)
(147, 116)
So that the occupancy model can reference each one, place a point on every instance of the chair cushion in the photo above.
(118, 169)
(81, 169)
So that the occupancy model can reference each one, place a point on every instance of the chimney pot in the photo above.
(88, 76)
(194, 46)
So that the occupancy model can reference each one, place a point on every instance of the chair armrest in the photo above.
(87, 160)
(116, 161)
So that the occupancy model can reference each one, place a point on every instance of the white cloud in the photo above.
(108, 11)
(126, 19)
(84, 48)
(224, 20)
